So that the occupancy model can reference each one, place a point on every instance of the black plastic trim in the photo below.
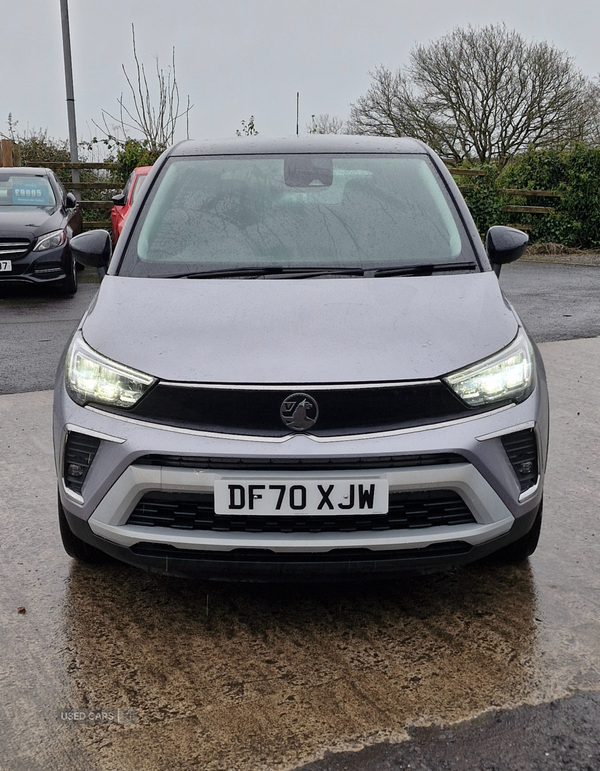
(255, 567)
(342, 410)
(80, 450)
(522, 451)
(310, 463)
(407, 511)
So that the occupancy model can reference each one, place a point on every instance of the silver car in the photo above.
(300, 365)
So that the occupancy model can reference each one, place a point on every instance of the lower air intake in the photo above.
(521, 448)
(80, 451)
(407, 511)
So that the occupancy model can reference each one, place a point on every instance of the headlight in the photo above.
(91, 377)
(506, 376)
(50, 241)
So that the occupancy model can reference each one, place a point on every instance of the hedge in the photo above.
(575, 173)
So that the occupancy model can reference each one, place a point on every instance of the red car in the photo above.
(124, 201)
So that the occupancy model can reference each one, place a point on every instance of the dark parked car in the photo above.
(300, 364)
(38, 218)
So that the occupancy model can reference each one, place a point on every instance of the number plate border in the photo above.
(221, 494)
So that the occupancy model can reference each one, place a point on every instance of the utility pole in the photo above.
(297, 112)
(66, 36)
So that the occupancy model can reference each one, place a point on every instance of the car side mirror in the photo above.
(119, 200)
(504, 245)
(70, 201)
(93, 248)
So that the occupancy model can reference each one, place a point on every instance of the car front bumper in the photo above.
(49, 266)
(119, 477)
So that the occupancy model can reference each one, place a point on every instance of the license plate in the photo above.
(310, 496)
(5, 266)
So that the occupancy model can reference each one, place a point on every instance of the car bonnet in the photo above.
(29, 221)
(328, 330)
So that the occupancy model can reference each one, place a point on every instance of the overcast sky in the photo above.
(237, 58)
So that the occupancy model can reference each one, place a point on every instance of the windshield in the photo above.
(16, 190)
(296, 211)
(139, 181)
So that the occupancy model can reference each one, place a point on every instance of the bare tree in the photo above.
(326, 124)
(391, 107)
(480, 93)
(155, 118)
(12, 124)
(592, 120)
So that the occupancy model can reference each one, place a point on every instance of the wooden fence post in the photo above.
(6, 153)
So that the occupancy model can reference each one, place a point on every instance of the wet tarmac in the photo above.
(35, 324)
(564, 734)
(253, 678)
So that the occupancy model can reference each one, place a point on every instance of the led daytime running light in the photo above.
(506, 376)
(93, 378)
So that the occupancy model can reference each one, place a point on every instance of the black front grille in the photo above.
(521, 448)
(300, 464)
(342, 410)
(80, 451)
(195, 511)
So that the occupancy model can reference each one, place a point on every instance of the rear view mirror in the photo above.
(70, 201)
(119, 200)
(504, 245)
(304, 171)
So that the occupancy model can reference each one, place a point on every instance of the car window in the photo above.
(297, 211)
(139, 182)
(17, 190)
(127, 187)
(61, 188)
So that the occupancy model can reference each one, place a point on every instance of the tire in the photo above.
(74, 546)
(69, 284)
(520, 550)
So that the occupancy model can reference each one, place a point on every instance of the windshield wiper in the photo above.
(420, 270)
(310, 272)
(317, 272)
(275, 272)
(224, 272)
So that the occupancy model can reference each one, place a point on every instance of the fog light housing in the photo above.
(80, 451)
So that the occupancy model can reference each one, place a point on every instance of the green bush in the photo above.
(575, 173)
(128, 154)
(133, 153)
(535, 170)
(38, 149)
(581, 199)
(483, 200)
